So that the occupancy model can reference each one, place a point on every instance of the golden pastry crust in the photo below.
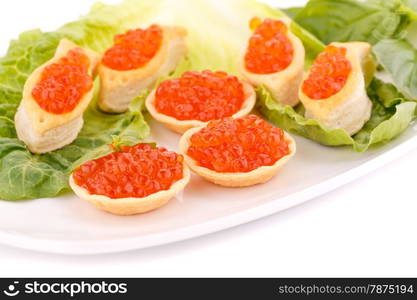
(40, 130)
(350, 108)
(41, 120)
(132, 206)
(181, 126)
(282, 85)
(257, 176)
(52, 139)
(118, 88)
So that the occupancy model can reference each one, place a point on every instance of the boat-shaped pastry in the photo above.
(135, 179)
(237, 152)
(199, 97)
(334, 89)
(136, 61)
(274, 58)
(55, 97)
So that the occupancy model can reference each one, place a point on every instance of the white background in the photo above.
(367, 228)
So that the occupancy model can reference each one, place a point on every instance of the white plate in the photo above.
(69, 225)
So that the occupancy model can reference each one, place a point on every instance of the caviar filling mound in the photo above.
(238, 145)
(63, 84)
(202, 96)
(269, 50)
(328, 75)
(134, 171)
(134, 49)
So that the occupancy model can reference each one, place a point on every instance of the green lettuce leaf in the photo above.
(217, 33)
(312, 45)
(386, 93)
(33, 48)
(399, 59)
(218, 30)
(215, 40)
(27, 176)
(410, 8)
(352, 20)
(292, 11)
(384, 125)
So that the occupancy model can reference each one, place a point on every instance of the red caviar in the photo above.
(269, 49)
(328, 74)
(202, 96)
(238, 145)
(134, 171)
(134, 49)
(63, 84)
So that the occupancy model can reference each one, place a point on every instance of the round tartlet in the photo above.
(132, 205)
(239, 179)
(181, 126)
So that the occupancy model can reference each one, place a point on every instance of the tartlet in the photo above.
(125, 206)
(350, 107)
(181, 126)
(120, 87)
(259, 175)
(44, 131)
(282, 84)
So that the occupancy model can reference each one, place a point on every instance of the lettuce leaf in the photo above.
(386, 93)
(410, 8)
(399, 59)
(218, 30)
(217, 33)
(383, 24)
(215, 40)
(24, 175)
(384, 125)
(33, 48)
(352, 20)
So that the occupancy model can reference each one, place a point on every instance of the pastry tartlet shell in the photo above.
(131, 205)
(350, 108)
(242, 179)
(181, 126)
